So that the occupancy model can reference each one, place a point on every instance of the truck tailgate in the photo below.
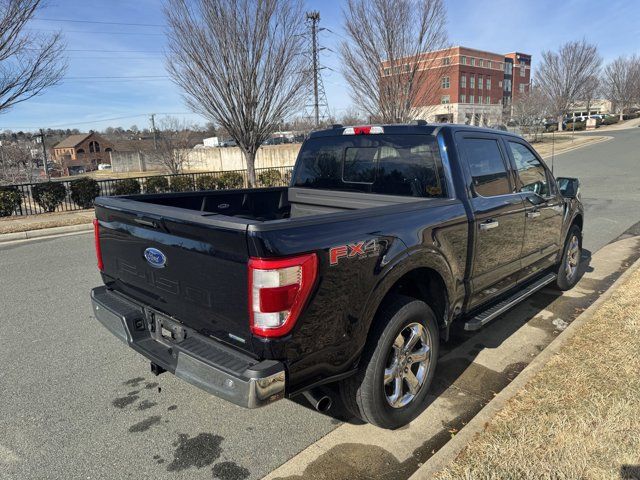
(195, 273)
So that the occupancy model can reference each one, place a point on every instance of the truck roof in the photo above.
(416, 128)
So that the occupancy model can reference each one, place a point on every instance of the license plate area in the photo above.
(166, 330)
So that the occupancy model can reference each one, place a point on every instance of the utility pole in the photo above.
(44, 154)
(314, 17)
(153, 129)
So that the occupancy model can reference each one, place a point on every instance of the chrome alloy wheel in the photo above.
(407, 365)
(573, 258)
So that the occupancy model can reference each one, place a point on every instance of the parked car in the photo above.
(387, 238)
(228, 143)
(104, 166)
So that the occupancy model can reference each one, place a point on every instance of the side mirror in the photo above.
(569, 187)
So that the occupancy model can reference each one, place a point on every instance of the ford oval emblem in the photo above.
(155, 257)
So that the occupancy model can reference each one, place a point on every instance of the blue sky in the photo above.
(133, 50)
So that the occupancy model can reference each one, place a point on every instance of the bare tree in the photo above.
(16, 164)
(175, 139)
(562, 74)
(29, 62)
(528, 111)
(591, 89)
(381, 56)
(240, 64)
(622, 82)
(352, 116)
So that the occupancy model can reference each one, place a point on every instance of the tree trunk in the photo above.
(621, 114)
(250, 159)
(560, 117)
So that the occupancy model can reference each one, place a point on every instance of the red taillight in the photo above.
(96, 237)
(278, 290)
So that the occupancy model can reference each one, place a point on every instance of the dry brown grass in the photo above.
(579, 418)
(562, 142)
(45, 220)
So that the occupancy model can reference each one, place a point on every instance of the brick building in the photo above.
(464, 85)
(81, 153)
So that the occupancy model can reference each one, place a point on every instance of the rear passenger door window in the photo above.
(531, 172)
(487, 167)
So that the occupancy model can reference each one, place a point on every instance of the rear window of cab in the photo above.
(406, 165)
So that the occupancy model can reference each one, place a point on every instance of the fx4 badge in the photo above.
(363, 249)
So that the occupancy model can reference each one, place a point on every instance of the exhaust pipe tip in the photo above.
(318, 400)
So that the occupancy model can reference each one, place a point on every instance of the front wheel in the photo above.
(570, 263)
(397, 367)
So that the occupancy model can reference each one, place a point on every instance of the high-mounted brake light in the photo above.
(363, 130)
(278, 290)
(96, 238)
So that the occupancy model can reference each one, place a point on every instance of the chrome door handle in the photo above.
(533, 214)
(489, 224)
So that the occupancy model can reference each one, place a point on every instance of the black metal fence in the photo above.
(265, 177)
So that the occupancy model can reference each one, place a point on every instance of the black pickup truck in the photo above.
(351, 276)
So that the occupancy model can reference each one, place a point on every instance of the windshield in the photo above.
(407, 165)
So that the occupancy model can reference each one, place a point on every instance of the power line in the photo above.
(99, 22)
(98, 33)
(117, 77)
(90, 122)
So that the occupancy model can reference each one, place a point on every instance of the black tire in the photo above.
(365, 393)
(565, 280)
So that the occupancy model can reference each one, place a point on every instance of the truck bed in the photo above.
(267, 204)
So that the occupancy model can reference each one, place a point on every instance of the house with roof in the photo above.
(81, 153)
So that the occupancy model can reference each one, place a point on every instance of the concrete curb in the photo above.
(45, 232)
(455, 446)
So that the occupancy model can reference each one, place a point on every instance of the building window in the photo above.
(446, 61)
(463, 60)
(521, 88)
(406, 67)
(463, 81)
(445, 82)
(488, 83)
(94, 147)
(480, 84)
(507, 85)
(508, 68)
(480, 62)
(500, 83)
(480, 99)
(471, 99)
(387, 71)
(473, 62)
(489, 64)
(445, 99)
(463, 98)
(80, 150)
(489, 100)
(472, 82)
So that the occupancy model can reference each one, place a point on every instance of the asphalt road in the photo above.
(76, 403)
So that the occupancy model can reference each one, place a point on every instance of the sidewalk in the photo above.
(578, 416)
(46, 220)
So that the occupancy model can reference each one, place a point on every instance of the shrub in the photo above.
(127, 186)
(181, 184)
(610, 120)
(49, 195)
(269, 178)
(577, 126)
(84, 191)
(157, 184)
(551, 128)
(206, 182)
(10, 199)
(229, 180)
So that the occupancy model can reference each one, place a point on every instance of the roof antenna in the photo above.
(553, 149)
